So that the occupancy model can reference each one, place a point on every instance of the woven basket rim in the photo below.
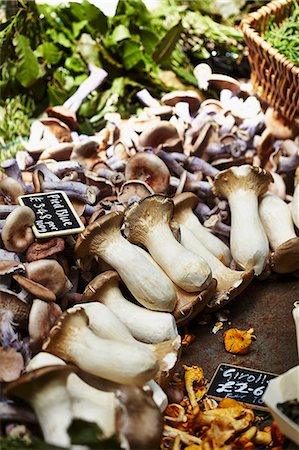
(251, 33)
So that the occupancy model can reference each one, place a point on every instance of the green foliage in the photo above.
(21, 444)
(285, 36)
(89, 434)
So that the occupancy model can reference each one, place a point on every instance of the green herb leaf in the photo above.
(78, 26)
(88, 49)
(132, 54)
(167, 44)
(120, 33)
(88, 433)
(28, 67)
(49, 52)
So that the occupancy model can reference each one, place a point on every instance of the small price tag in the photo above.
(240, 383)
(54, 214)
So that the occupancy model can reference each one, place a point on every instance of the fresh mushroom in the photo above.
(72, 339)
(148, 224)
(42, 317)
(145, 325)
(45, 390)
(295, 201)
(248, 241)
(49, 274)
(41, 250)
(229, 282)
(149, 168)
(17, 234)
(143, 277)
(11, 189)
(35, 289)
(183, 214)
(277, 222)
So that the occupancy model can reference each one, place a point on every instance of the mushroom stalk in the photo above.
(184, 215)
(145, 325)
(229, 282)
(277, 221)
(122, 362)
(146, 98)
(199, 165)
(74, 189)
(95, 78)
(295, 201)
(149, 225)
(5, 210)
(143, 277)
(248, 241)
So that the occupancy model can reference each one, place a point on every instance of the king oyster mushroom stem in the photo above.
(229, 282)
(145, 325)
(72, 339)
(277, 221)
(95, 78)
(45, 390)
(17, 233)
(295, 200)
(144, 278)
(248, 241)
(183, 214)
(148, 224)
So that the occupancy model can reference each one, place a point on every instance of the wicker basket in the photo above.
(275, 79)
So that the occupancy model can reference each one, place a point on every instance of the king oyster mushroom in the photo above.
(248, 241)
(183, 214)
(145, 325)
(295, 200)
(229, 282)
(143, 277)
(277, 221)
(73, 340)
(148, 224)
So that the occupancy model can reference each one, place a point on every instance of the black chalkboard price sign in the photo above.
(240, 383)
(54, 214)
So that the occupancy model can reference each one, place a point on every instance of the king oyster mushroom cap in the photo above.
(242, 186)
(277, 222)
(122, 362)
(229, 282)
(184, 204)
(148, 224)
(150, 168)
(45, 390)
(145, 325)
(146, 281)
(16, 233)
(295, 200)
(50, 274)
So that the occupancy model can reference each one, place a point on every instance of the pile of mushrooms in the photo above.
(183, 206)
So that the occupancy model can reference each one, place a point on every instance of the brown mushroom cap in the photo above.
(60, 152)
(30, 382)
(86, 154)
(42, 317)
(191, 97)
(11, 364)
(48, 273)
(285, 259)
(94, 288)
(88, 241)
(64, 114)
(190, 304)
(17, 234)
(41, 250)
(278, 125)
(11, 267)
(158, 133)
(11, 189)
(10, 302)
(35, 289)
(245, 177)
(134, 190)
(58, 128)
(149, 168)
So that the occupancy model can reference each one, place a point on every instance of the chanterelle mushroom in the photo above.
(17, 234)
(277, 221)
(122, 362)
(148, 224)
(143, 277)
(242, 186)
(145, 325)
